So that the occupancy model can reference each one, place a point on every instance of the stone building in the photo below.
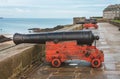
(78, 20)
(112, 12)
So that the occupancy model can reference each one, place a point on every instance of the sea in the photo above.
(21, 25)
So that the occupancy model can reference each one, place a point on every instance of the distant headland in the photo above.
(1, 17)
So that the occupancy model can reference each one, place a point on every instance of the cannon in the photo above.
(63, 46)
(82, 37)
(90, 25)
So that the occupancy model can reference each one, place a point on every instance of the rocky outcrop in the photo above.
(46, 29)
(3, 38)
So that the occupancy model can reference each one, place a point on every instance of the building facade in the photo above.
(78, 20)
(112, 12)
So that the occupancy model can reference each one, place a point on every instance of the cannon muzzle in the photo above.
(82, 37)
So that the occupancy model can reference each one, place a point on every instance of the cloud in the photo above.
(91, 5)
(22, 10)
(53, 8)
(3, 1)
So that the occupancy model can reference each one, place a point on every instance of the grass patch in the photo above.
(118, 21)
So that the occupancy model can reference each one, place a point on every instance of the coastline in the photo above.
(21, 25)
(8, 37)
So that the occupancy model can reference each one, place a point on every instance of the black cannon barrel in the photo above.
(82, 37)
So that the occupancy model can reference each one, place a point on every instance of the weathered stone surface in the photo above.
(6, 68)
(16, 59)
(110, 44)
(115, 23)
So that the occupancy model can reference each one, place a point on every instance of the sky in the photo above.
(53, 8)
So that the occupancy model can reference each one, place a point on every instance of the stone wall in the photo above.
(115, 23)
(17, 59)
(78, 19)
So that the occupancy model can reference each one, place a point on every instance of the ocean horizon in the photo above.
(21, 25)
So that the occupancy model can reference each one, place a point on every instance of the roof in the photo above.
(112, 7)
